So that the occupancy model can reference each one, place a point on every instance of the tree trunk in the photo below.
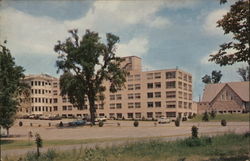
(92, 109)
(8, 133)
(38, 152)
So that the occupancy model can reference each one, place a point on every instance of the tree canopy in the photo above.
(214, 78)
(236, 23)
(11, 86)
(85, 64)
(244, 72)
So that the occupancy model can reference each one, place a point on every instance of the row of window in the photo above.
(43, 83)
(44, 108)
(169, 75)
(43, 100)
(138, 115)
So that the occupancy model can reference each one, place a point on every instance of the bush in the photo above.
(61, 124)
(136, 123)
(194, 115)
(190, 116)
(205, 117)
(100, 124)
(213, 114)
(177, 122)
(194, 132)
(247, 134)
(184, 119)
(31, 124)
(223, 122)
(20, 123)
(118, 124)
(49, 124)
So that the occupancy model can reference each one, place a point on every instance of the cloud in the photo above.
(137, 46)
(204, 60)
(210, 23)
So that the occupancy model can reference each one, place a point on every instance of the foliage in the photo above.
(237, 117)
(214, 78)
(20, 123)
(11, 86)
(136, 123)
(236, 23)
(244, 73)
(223, 122)
(86, 64)
(194, 132)
(100, 124)
(61, 124)
(177, 122)
(205, 117)
(213, 114)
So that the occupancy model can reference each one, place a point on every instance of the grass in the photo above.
(229, 117)
(225, 148)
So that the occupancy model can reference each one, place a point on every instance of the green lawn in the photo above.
(229, 147)
(228, 117)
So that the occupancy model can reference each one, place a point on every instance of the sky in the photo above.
(165, 33)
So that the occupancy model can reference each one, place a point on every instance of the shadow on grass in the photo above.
(234, 158)
(3, 142)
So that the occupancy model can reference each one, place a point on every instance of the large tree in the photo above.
(214, 78)
(86, 63)
(244, 72)
(236, 23)
(11, 87)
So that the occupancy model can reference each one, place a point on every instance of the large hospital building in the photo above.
(148, 94)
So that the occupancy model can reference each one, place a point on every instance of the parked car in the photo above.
(101, 118)
(77, 123)
(163, 120)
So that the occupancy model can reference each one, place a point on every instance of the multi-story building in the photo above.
(148, 94)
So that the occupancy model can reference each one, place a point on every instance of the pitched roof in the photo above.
(240, 88)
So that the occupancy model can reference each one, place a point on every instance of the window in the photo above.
(130, 87)
(111, 115)
(137, 95)
(130, 96)
(137, 115)
(130, 78)
(149, 114)
(180, 75)
(101, 106)
(64, 99)
(130, 115)
(137, 86)
(171, 114)
(158, 114)
(170, 84)
(150, 104)
(149, 76)
(180, 104)
(180, 85)
(112, 97)
(150, 95)
(185, 86)
(185, 95)
(189, 88)
(70, 108)
(55, 85)
(185, 77)
(54, 92)
(150, 85)
(118, 105)
(137, 77)
(119, 115)
(169, 104)
(170, 75)
(190, 79)
(190, 96)
(157, 94)
(157, 104)
(158, 85)
(137, 105)
(55, 100)
(130, 105)
(157, 75)
(185, 105)
(118, 96)
(64, 108)
(112, 106)
(171, 94)
(180, 94)
(190, 105)
(32, 83)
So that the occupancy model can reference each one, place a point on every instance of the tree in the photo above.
(11, 87)
(244, 73)
(86, 64)
(205, 117)
(236, 23)
(214, 78)
(39, 143)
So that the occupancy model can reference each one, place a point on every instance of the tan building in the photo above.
(231, 97)
(148, 94)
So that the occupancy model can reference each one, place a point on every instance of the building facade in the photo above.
(231, 97)
(148, 94)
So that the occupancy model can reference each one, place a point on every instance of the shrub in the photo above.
(194, 115)
(247, 134)
(184, 119)
(49, 124)
(213, 114)
(20, 123)
(143, 118)
(31, 124)
(123, 118)
(39, 125)
(61, 124)
(118, 124)
(177, 122)
(205, 117)
(223, 122)
(190, 116)
(194, 132)
(155, 124)
(100, 124)
(136, 123)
